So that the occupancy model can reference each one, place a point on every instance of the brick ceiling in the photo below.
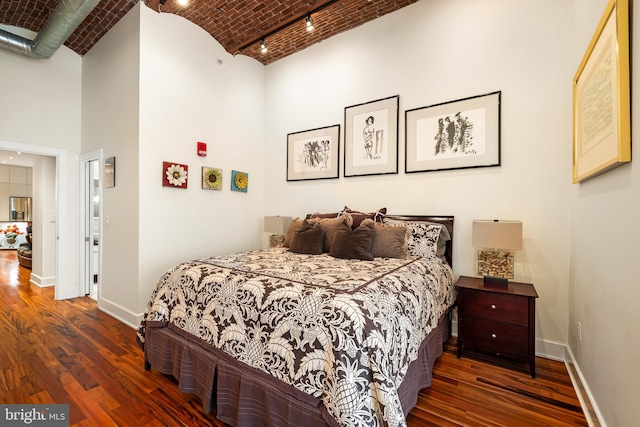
(237, 25)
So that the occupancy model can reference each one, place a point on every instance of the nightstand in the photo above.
(497, 320)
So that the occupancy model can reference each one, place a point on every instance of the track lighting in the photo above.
(263, 46)
(309, 23)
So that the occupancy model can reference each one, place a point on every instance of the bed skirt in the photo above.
(243, 395)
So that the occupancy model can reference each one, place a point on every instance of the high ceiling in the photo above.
(237, 25)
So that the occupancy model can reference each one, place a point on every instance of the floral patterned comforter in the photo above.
(341, 330)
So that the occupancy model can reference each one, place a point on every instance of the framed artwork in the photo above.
(459, 134)
(239, 181)
(601, 98)
(313, 154)
(110, 172)
(174, 175)
(371, 137)
(211, 178)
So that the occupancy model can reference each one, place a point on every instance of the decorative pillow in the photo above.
(331, 226)
(353, 244)
(324, 215)
(424, 237)
(308, 239)
(389, 241)
(358, 217)
(293, 226)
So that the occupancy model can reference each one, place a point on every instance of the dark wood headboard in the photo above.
(446, 220)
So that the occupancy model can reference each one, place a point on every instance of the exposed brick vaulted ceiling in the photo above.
(237, 25)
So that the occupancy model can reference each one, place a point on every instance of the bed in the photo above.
(291, 336)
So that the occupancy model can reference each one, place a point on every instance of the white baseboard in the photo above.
(118, 312)
(588, 403)
(42, 282)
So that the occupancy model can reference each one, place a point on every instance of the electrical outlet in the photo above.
(579, 332)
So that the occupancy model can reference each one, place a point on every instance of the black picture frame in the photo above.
(459, 134)
(371, 137)
(314, 154)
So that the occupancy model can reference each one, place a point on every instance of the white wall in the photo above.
(43, 263)
(433, 52)
(110, 120)
(604, 263)
(167, 84)
(192, 90)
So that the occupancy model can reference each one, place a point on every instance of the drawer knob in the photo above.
(494, 336)
(493, 306)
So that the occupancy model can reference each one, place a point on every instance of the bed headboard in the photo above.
(446, 220)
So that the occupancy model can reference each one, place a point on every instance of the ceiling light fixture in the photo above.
(294, 20)
(263, 46)
(183, 2)
(309, 23)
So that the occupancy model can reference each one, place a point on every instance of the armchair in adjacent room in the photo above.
(24, 251)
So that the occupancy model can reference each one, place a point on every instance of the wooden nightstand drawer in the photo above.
(500, 307)
(497, 319)
(496, 337)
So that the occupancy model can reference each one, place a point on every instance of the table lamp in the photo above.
(277, 225)
(497, 240)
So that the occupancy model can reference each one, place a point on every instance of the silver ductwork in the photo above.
(64, 20)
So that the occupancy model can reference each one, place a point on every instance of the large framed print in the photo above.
(371, 137)
(454, 135)
(313, 154)
(601, 98)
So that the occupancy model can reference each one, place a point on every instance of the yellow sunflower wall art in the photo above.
(211, 178)
(239, 181)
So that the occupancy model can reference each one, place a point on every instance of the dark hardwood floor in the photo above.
(70, 352)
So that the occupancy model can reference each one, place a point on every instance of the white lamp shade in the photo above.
(496, 234)
(276, 224)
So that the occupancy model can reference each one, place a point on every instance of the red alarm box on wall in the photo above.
(202, 149)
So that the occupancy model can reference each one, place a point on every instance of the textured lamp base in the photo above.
(495, 263)
(276, 240)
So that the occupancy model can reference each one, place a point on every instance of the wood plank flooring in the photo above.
(70, 352)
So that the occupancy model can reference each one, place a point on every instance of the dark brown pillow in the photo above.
(358, 216)
(354, 244)
(331, 226)
(389, 241)
(308, 239)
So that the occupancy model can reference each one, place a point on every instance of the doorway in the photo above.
(92, 202)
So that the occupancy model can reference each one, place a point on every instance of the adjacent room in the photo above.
(172, 137)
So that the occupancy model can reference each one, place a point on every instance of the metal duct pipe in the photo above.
(64, 20)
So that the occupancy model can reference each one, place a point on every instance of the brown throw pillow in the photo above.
(358, 216)
(293, 226)
(354, 244)
(389, 241)
(308, 239)
(331, 226)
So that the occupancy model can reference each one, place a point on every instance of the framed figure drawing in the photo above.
(454, 135)
(601, 98)
(313, 154)
(371, 137)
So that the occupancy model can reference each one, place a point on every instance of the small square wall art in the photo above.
(239, 181)
(174, 175)
(211, 178)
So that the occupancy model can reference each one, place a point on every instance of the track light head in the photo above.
(263, 46)
(309, 23)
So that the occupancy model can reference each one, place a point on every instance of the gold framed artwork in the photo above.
(601, 98)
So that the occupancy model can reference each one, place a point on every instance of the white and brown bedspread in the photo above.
(341, 330)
